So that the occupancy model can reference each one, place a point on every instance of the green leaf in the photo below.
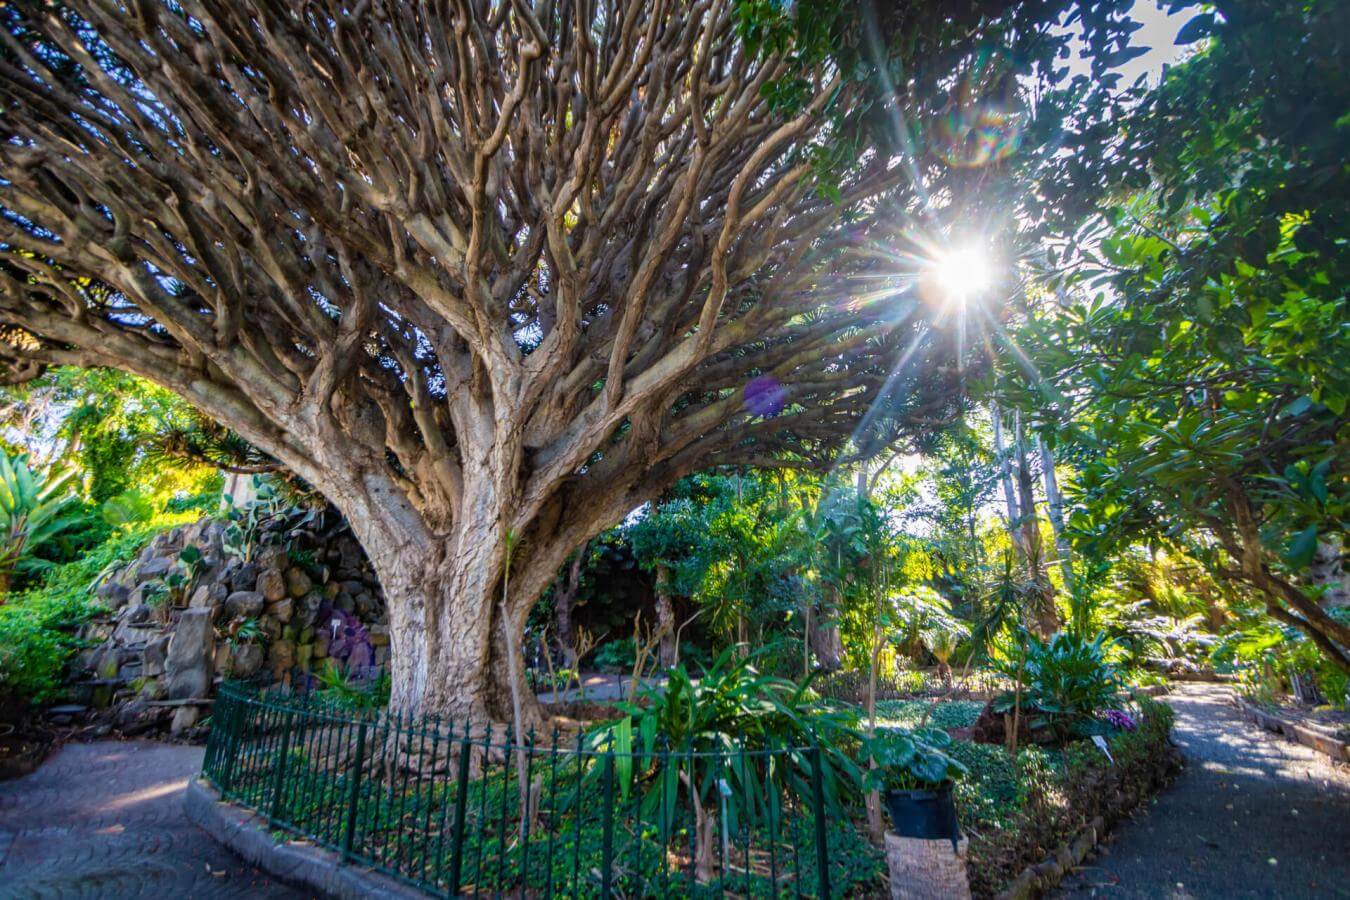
(1302, 548)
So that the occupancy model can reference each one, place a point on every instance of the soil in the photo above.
(21, 752)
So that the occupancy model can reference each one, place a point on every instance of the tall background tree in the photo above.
(1196, 366)
(486, 269)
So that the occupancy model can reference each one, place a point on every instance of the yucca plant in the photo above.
(36, 508)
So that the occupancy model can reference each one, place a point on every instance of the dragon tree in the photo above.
(493, 274)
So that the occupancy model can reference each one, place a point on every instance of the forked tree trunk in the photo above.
(448, 654)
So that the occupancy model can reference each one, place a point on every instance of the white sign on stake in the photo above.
(1101, 745)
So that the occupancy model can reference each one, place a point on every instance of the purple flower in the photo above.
(349, 643)
(765, 397)
(1118, 718)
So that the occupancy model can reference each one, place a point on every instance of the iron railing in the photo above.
(459, 809)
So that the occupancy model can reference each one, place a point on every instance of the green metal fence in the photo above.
(459, 809)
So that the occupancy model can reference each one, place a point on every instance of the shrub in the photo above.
(910, 759)
(732, 707)
(36, 509)
(1065, 682)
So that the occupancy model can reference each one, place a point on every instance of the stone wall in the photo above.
(274, 597)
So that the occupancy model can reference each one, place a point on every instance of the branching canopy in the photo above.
(543, 241)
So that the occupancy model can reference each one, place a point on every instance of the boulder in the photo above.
(307, 609)
(209, 595)
(274, 557)
(271, 584)
(154, 656)
(283, 610)
(349, 553)
(244, 578)
(280, 658)
(126, 631)
(156, 567)
(246, 660)
(114, 594)
(223, 661)
(184, 717)
(298, 583)
(152, 689)
(366, 604)
(229, 570)
(271, 629)
(188, 667)
(244, 604)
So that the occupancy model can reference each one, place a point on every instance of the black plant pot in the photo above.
(928, 813)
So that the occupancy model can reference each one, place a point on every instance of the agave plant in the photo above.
(36, 508)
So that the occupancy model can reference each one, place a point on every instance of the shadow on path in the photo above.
(106, 820)
(1252, 815)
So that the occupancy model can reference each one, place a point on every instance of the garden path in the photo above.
(1252, 815)
(106, 820)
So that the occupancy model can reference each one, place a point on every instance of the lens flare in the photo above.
(962, 273)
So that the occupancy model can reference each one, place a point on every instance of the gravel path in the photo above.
(105, 820)
(1253, 815)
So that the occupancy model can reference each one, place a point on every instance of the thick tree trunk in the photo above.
(826, 642)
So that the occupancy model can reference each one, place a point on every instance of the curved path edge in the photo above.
(299, 863)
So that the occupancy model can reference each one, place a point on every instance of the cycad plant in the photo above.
(36, 508)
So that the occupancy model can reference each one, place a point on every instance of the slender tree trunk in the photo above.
(1044, 613)
(1054, 502)
(564, 603)
(1005, 474)
(665, 617)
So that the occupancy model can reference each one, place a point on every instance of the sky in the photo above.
(1158, 34)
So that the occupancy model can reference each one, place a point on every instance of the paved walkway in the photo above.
(1253, 815)
(105, 820)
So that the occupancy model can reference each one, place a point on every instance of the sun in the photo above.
(963, 273)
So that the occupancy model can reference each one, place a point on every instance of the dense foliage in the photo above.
(37, 626)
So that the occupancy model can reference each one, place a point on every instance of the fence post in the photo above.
(461, 803)
(278, 783)
(354, 792)
(818, 799)
(232, 724)
(607, 829)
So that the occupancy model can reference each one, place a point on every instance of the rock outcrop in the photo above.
(274, 597)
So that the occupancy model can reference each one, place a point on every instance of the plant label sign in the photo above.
(1101, 745)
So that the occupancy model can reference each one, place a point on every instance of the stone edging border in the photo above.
(1042, 876)
(1315, 738)
(295, 862)
(1039, 878)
